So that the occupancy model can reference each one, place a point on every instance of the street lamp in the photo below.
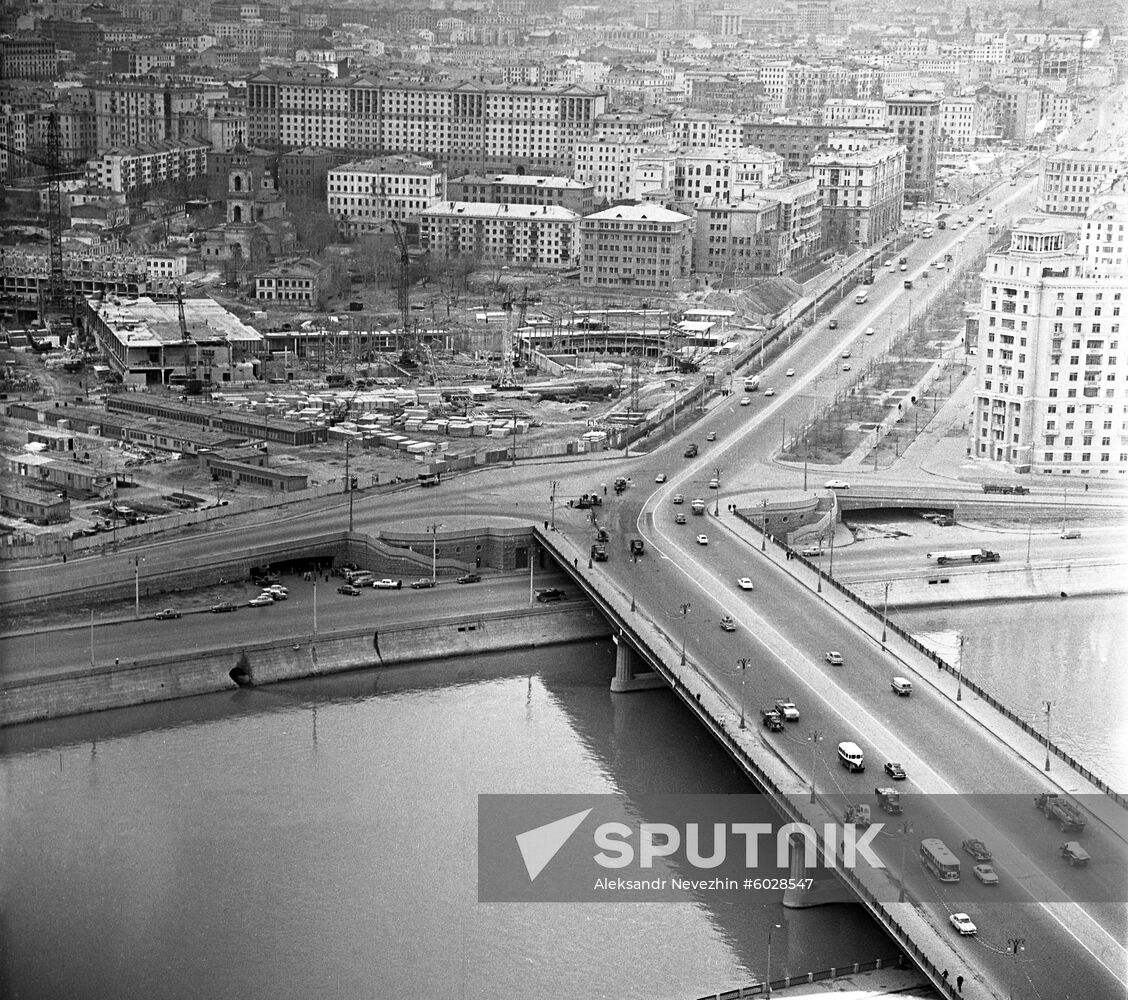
(348, 483)
(818, 588)
(315, 608)
(1046, 706)
(1015, 946)
(764, 525)
(906, 828)
(959, 671)
(552, 499)
(684, 613)
(434, 529)
(137, 560)
(885, 613)
(634, 577)
(768, 975)
(816, 735)
(742, 665)
(717, 498)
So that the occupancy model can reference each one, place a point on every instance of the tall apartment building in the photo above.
(740, 240)
(130, 111)
(365, 194)
(1052, 379)
(1071, 179)
(135, 168)
(624, 168)
(842, 110)
(643, 247)
(524, 189)
(961, 122)
(861, 192)
(28, 59)
(523, 235)
(915, 117)
(462, 125)
(706, 130)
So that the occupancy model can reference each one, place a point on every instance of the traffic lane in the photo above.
(69, 647)
(704, 651)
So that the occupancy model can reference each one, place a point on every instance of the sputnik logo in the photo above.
(541, 844)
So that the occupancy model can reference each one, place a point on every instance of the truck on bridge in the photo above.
(773, 721)
(599, 552)
(1055, 806)
(889, 799)
(1016, 490)
(698, 506)
(858, 815)
(964, 555)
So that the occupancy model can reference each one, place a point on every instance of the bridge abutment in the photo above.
(627, 676)
(825, 887)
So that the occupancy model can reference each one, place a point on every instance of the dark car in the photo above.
(348, 590)
(833, 325)
(221, 607)
(550, 594)
(977, 849)
(895, 771)
(470, 578)
(423, 583)
(166, 614)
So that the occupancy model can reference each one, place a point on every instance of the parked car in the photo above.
(895, 770)
(834, 658)
(423, 583)
(261, 601)
(550, 594)
(744, 583)
(166, 614)
(986, 874)
(221, 607)
(962, 923)
(348, 590)
(470, 578)
(727, 624)
(387, 584)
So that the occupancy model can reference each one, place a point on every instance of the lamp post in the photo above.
(959, 671)
(634, 577)
(91, 637)
(885, 613)
(816, 735)
(830, 568)
(1046, 706)
(906, 828)
(434, 529)
(137, 560)
(818, 588)
(552, 500)
(1029, 538)
(348, 482)
(315, 609)
(1015, 946)
(684, 614)
(768, 974)
(717, 498)
(764, 525)
(742, 665)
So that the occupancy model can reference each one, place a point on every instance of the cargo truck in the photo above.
(1057, 807)
(964, 555)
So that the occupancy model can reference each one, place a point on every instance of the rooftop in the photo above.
(141, 322)
(496, 210)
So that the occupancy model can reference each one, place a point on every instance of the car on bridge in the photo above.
(834, 658)
(986, 874)
(745, 400)
(711, 436)
(846, 368)
(870, 331)
(679, 518)
(833, 324)
(470, 578)
(962, 923)
(811, 550)
(550, 594)
(660, 478)
(262, 601)
(845, 354)
(977, 849)
(677, 498)
(348, 590)
(744, 583)
(423, 583)
(387, 584)
(789, 373)
(166, 614)
(837, 484)
(769, 391)
(727, 624)
(787, 709)
(895, 771)
(702, 539)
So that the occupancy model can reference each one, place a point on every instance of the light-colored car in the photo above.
(837, 484)
(660, 478)
(888, 263)
(769, 391)
(986, 874)
(387, 584)
(787, 709)
(261, 601)
(846, 368)
(677, 498)
(711, 436)
(870, 331)
(904, 267)
(744, 583)
(834, 658)
(745, 400)
(702, 539)
(679, 518)
(789, 372)
(845, 354)
(714, 484)
(938, 264)
(277, 593)
(962, 923)
(727, 624)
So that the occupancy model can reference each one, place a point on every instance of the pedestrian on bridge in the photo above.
(959, 983)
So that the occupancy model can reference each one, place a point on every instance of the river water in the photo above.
(317, 838)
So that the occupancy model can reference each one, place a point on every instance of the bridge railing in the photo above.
(943, 665)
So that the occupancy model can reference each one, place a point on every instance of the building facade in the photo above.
(861, 192)
(524, 189)
(136, 168)
(640, 247)
(365, 195)
(1051, 376)
(1070, 180)
(915, 119)
(524, 235)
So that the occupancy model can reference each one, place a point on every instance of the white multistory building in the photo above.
(1052, 374)
(366, 194)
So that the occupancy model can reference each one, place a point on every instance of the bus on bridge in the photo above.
(936, 857)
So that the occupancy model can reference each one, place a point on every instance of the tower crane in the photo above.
(402, 286)
(57, 295)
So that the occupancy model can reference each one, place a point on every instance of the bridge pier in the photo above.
(626, 679)
(826, 888)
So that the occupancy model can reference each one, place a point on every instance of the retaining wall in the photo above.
(165, 678)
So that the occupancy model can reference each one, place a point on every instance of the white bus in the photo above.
(752, 383)
(862, 297)
(936, 857)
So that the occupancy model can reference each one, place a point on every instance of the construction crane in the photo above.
(192, 386)
(507, 381)
(57, 296)
(402, 286)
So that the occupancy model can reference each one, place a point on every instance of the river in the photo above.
(317, 838)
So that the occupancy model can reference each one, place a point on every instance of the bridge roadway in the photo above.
(784, 628)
